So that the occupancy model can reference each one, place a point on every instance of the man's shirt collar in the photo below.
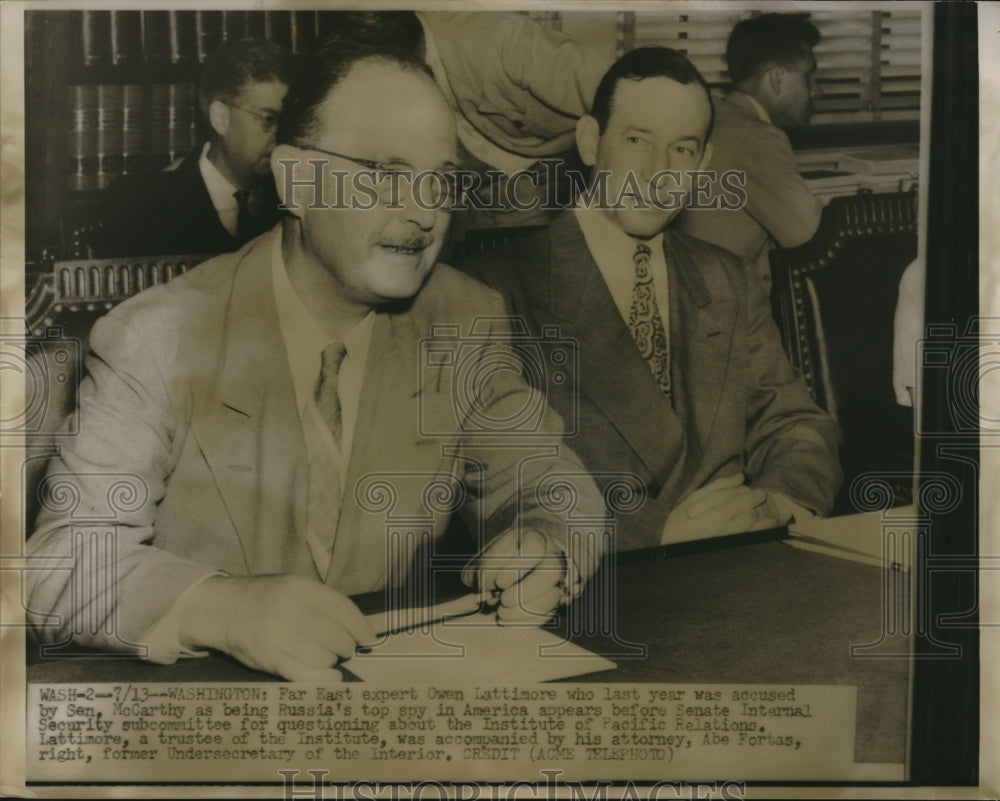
(220, 189)
(757, 107)
(305, 338)
(607, 242)
(613, 250)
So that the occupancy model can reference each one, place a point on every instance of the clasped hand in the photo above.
(525, 573)
(724, 506)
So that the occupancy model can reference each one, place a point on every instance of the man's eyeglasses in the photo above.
(432, 188)
(268, 121)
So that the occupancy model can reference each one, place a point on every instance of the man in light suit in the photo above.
(518, 88)
(518, 91)
(220, 195)
(772, 69)
(267, 411)
(683, 380)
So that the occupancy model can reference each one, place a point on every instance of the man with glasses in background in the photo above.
(222, 194)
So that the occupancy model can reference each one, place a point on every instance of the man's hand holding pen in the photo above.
(300, 629)
(292, 626)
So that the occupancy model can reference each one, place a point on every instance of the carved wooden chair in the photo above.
(834, 299)
(60, 309)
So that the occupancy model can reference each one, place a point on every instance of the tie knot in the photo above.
(247, 211)
(330, 361)
(642, 252)
(333, 356)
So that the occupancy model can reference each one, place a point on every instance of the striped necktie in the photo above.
(324, 472)
(325, 392)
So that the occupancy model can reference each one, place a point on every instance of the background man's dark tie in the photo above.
(246, 222)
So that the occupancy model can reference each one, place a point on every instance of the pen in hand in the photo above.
(400, 620)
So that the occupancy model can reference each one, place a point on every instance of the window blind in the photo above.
(900, 60)
(868, 62)
(700, 35)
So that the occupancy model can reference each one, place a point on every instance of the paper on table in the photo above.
(474, 649)
(884, 538)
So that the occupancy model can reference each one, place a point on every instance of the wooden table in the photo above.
(753, 613)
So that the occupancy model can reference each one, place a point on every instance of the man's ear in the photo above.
(588, 134)
(218, 117)
(775, 79)
(288, 169)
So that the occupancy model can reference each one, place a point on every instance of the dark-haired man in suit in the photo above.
(222, 194)
(683, 380)
(773, 73)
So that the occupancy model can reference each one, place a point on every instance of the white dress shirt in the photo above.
(613, 251)
(305, 340)
(221, 192)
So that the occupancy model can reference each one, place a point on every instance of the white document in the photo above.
(884, 539)
(473, 649)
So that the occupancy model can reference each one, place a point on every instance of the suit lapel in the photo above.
(201, 215)
(390, 446)
(615, 377)
(359, 561)
(702, 321)
(249, 432)
(668, 440)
